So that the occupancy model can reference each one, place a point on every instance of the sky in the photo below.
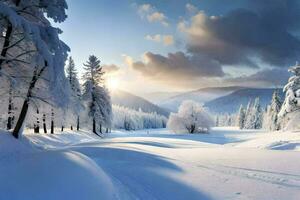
(181, 45)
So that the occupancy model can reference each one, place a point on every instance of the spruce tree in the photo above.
(241, 117)
(95, 95)
(256, 115)
(76, 106)
(275, 107)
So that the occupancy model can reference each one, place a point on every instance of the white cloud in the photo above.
(167, 40)
(154, 38)
(191, 8)
(150, 12)
(158, 17)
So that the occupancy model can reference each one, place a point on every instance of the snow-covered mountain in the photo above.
(231, 103)
(202, 95)
(129, 100)
(157, 97)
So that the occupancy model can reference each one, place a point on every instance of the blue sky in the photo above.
(169, 45)
(109, 29)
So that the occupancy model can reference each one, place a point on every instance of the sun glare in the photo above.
(112, 83)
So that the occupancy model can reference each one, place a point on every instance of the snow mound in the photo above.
(33, 174)
(284, 145)
(273, 141)
(60, 140)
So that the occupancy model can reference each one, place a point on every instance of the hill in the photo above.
(202, 95)
(231, 103)
(129, 100)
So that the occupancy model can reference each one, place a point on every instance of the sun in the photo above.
(113, 83)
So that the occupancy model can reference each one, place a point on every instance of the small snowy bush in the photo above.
(191, 118)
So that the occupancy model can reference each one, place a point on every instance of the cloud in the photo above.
(154, 38)
(110, 69)
(265, 32)
(191, 8)
(152, 14)
(176, 67)
(167, 40)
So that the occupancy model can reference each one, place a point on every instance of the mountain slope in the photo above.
(231, 103)
(157, 97)
(126, 99)
(201, 96)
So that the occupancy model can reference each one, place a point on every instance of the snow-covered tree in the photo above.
(31, 52)
(191, 118)
(254, 116)
(129, 119)
(271, 116)
(96, 97)
(247, 122)
(75, 106)
(241, 117)
(290, 110)
(71, 73)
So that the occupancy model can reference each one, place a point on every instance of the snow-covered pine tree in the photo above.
(275, 107)
(95, 95)
(266, 118)
(71, 73)
(75, 106)
(217, 121)
(247, 123)
(255, 118)
(290, 109)
(241, 117)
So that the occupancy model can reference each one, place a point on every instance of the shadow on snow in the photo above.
(139, 175)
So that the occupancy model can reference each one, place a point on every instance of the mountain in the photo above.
(126, 99)
(157, 97)
(231, 103)
(202, 95)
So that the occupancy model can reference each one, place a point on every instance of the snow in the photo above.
(30, 173)
(152, 164)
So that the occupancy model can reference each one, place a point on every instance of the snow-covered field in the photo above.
(155, 164)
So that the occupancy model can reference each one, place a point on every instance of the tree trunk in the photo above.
(106, 130)
(71, 128)
(100, 128)
(24, 108)
(37, 125)
(193, 127)
(77, 123)
(52, 122)
(44, 123)
(21, 119)
(94, 126)
(10, 108)
(62, 128)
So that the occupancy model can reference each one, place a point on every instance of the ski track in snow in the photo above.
(265, 176)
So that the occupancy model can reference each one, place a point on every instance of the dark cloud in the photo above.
(266, 30)
(264, 78)
(177, 66)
